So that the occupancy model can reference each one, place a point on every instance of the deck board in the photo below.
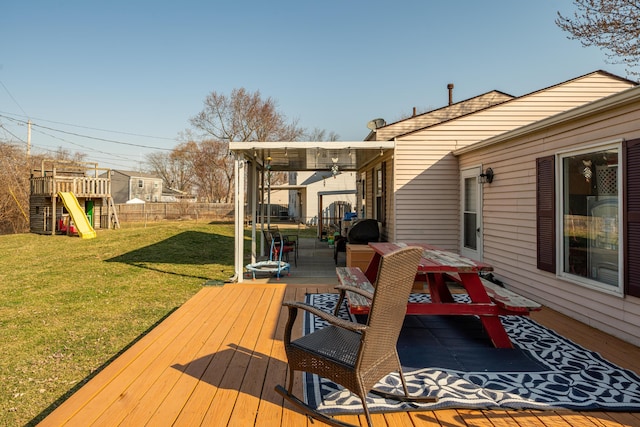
(151, 387)
(215, 362)
(213, 357)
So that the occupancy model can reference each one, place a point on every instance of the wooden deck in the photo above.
(216, 360)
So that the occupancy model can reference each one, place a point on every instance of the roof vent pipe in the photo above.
(414, 111)
(450, 87)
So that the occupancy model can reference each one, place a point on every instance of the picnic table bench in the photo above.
(354, 277)
(440, 268)
(508, 302)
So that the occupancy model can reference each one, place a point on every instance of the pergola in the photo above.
(254, 159)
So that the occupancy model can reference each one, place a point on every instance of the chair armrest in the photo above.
(353, 289)
(334, 320)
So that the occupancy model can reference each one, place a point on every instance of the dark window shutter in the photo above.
(545, 213)
(632, 217)
(384, 193)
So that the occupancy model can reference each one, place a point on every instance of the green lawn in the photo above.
(68, 305)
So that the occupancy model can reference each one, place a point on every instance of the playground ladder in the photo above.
(112, 208)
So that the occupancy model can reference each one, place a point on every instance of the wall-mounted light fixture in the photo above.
(486, 177)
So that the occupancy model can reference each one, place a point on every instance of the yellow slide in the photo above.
(85, 230)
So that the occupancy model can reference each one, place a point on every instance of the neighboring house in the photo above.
(171, 195)
(127, 185)
(414, 190)
(561, 219)
(336, 193)
(276, 203)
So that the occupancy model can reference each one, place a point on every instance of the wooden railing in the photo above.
(80, 186)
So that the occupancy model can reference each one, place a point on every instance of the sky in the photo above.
(118, 80)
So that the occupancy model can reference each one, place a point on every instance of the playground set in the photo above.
(85, 193)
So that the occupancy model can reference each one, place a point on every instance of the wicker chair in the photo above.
(355, 355)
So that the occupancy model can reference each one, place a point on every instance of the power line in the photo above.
(109, 159)
(102, 139)
(82, 146)
(113, 141)
(91, 128)
(14, 100)
(13, 134)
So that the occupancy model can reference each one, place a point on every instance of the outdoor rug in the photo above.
(451, 357)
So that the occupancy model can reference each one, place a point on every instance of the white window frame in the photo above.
(560, 252)
(471, 172)
(378, 192)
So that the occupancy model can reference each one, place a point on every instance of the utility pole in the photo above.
(28, 139)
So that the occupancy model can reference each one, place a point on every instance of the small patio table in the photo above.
(435, 264)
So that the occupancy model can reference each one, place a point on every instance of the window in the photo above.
(470, 213)
(362, 188)
(599, 242)
(379, 191)
(140, 183)
(590, 216)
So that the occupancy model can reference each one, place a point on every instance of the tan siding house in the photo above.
(440, 115)
(594, 252)
(425, 179)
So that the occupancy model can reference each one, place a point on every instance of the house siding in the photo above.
(421, 121)
(426, 172)
(344, 181)
(119, 187)
(125, 186)
(509, 219)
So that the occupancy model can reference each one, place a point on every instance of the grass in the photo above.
(68, 305)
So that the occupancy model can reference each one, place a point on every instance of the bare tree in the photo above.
(321, 135)
(14, 189)
(612, 25)
(173, 168)
(242, 116)
(212, 171)
(66, 155)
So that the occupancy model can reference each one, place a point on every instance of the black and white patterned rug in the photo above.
(450, 357)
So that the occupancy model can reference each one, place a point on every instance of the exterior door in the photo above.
(471, 213)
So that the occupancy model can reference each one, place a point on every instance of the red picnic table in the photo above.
(438, 264)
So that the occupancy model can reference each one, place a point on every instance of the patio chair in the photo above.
(288, 239)
(356, 355)
(277, 243)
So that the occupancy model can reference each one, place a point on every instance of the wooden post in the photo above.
(54, 196)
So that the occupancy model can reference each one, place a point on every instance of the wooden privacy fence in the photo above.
(172, 211)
